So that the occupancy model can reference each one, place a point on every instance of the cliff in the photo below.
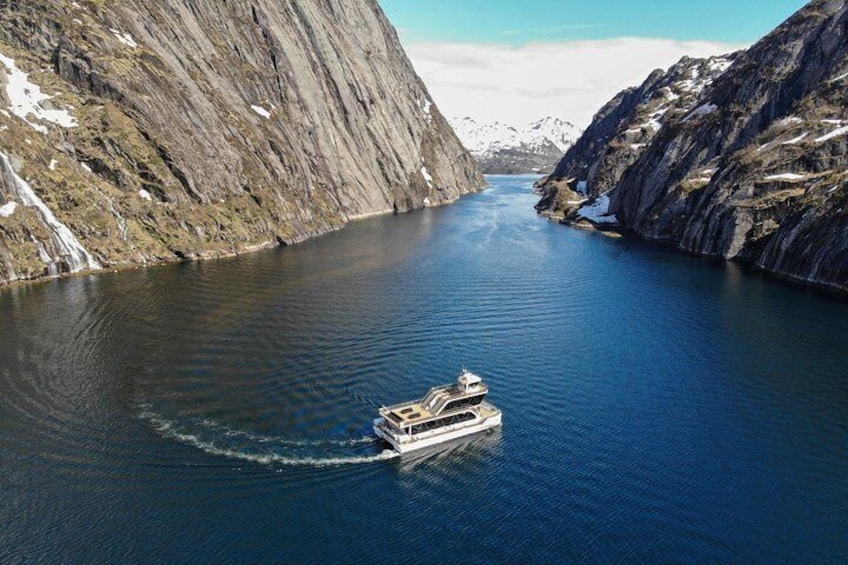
(621, 131)
(135, 131)
(756, 169)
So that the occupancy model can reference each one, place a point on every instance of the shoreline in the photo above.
(832, 290)
(275, 242)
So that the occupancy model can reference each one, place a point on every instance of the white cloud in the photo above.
(571, 80)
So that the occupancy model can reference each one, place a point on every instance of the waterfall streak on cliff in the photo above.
(69, 247)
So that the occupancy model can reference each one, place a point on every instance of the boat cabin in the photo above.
(441, 406)
(445, 413)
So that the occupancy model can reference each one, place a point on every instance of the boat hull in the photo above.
(403, 443)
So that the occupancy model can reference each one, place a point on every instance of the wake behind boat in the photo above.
(445, 413)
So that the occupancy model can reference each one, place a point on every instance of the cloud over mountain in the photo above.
(571, 80)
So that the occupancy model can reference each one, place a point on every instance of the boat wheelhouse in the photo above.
(445, 413)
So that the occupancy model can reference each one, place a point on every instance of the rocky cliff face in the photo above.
(134, 131)
(757, 169)
(622, 130)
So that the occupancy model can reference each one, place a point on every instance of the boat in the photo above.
(445, 413)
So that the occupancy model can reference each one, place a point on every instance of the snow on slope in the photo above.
(484, 139)
(561, 133)
(26, 99)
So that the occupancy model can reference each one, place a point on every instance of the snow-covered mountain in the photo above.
(501, 148)
(561, 133)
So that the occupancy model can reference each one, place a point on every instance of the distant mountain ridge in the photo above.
(753, 167)
(501, 148)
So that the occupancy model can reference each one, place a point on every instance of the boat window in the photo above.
(406, 410)
(442, 422)
(415, 415)
(463, 402)
(394, 417)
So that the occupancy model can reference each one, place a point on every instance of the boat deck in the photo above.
(412, 412)
(487, 410)
(409, 412)
(444, 413)
(430, 406)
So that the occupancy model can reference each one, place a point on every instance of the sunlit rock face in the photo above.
(752, 168)
(159, 131)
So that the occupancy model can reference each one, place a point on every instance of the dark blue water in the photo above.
(657, 407)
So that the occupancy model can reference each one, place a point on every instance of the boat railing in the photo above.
(440, 404)
(431, 394)
(435, 399)
(424, 401)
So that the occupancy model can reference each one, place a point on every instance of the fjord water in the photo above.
(657, 407)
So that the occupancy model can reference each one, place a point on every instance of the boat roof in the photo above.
(468, 378)
(408, 413)
(415, 411)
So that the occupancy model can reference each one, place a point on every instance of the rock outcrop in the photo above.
(756, 170)
(622, 130)
(135, 131)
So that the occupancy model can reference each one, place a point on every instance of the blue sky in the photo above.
(516, 61)
(519, 22)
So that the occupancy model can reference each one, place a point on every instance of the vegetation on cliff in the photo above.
(753, 169)
(201, 128)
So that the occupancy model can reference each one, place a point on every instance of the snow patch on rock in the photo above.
(597, 211)
(703, 110)
(719, 64)
(8, 209)
(835, 133)
(427, 177)
(26, 99)
(124, 38)
(261, 111)
(786, 177)
(790, 120)
(795, 140)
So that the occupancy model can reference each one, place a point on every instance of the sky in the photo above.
(517, 61)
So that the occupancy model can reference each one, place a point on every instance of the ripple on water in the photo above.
(656, 408)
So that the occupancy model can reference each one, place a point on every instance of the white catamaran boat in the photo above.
(445, 413)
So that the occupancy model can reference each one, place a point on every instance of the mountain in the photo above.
(503, 149)
(622, 130)
(138, 131)
(754, 169)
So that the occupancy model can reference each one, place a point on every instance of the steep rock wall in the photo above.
(196, 128)
(757, 169)
(622, 130)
